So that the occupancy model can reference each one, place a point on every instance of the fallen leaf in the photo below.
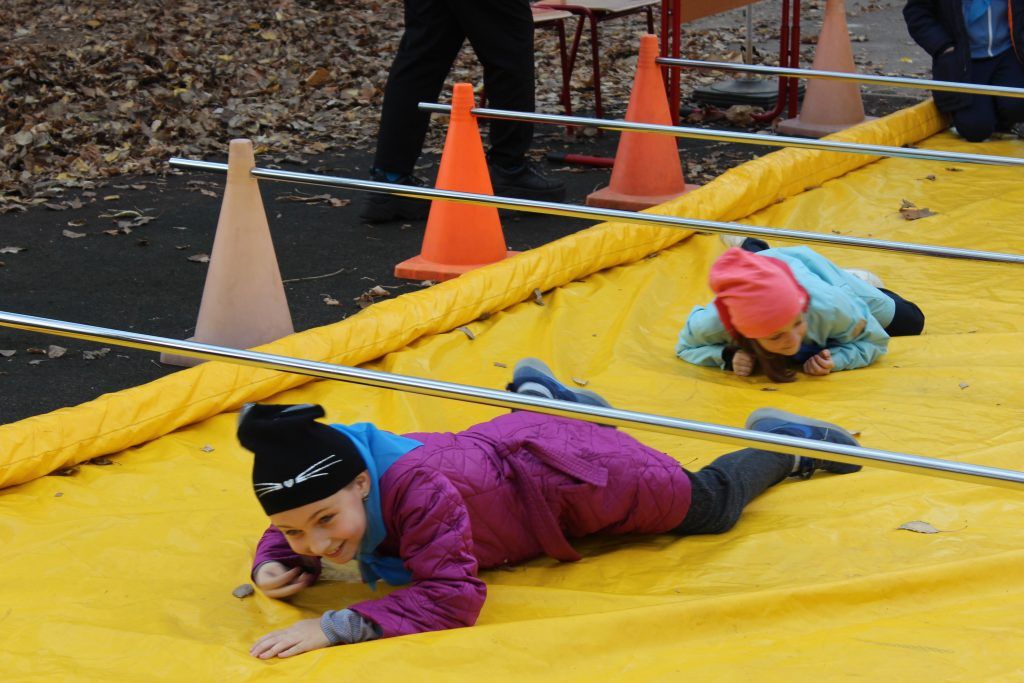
(93, 355)
(102, 461)
(769, 388)
(319, 76)
(581, 382)
(54, 351)
(207, 449)
(906, 60)
(910, 212)
(11, 250)
(466, 331)
(919, 527)
(964, 385)
(7, 353)
(36, 350)
(77, 222)
(66, 472)
(111, 197)
(538, 297)
(72, 234)
(330, 300)
(200, 258)
(499, 365)
(954, 169)
(243, 591)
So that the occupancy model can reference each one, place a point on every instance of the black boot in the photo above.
(525, 181)
(382, 208)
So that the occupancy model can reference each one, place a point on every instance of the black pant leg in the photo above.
(1009, 72)
(428, 48)
(501, 33)
(977, 121)
(908, 320)
(720, 491)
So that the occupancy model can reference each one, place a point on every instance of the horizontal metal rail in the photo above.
(739, 137)
(887, 81)
(781, 443)
(590, 212)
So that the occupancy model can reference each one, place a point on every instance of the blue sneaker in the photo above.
(533, 378)
(777, 421)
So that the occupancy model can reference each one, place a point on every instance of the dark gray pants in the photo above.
(501, 33)
(721, 490)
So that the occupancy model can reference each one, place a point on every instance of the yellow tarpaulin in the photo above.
(125, 571)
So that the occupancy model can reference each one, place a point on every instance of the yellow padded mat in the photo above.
(125, 572)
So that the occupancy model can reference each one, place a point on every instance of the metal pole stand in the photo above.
(748, 90)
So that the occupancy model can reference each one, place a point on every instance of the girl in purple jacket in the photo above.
(427, 511)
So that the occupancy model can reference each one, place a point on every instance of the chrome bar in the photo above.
(589, 212)
(738, 137)
(733, 436)
(888, 81)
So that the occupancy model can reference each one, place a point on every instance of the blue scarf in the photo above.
(380, 450)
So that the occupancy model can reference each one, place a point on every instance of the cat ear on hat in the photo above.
(257, 421)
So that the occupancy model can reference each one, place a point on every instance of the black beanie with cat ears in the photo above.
(297, 460)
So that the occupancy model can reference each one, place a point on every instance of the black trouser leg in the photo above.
(720, 491)
(501, 33)
(908, 320)
(754, 245)
(432, 40)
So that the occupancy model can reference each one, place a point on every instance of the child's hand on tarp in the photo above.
(819, 364)
(743, 363)
(302, 636)
(278, 581)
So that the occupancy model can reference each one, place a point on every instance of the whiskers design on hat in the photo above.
(287, 438)
(318, 469)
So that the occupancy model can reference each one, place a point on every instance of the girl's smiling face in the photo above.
(786, 340)
(331, 527)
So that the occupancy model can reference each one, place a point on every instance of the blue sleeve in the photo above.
(855, 338)
(703, 338)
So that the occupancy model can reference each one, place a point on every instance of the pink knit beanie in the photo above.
(755, 295)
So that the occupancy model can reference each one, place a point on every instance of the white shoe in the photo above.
(867, 276)
(732, 240)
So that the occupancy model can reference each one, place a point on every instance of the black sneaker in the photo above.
(526, 181)
(777, 421)
(381, 208)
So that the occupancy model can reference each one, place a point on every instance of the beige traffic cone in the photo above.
(243, 301)
(829, 106)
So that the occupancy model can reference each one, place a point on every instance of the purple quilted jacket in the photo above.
(499, 493)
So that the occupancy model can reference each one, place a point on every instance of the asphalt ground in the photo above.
(129, 268)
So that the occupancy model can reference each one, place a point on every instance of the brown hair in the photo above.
(776, 367)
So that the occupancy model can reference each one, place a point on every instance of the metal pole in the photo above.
(589, 212)
(889, 81)
(781, 443)
(742, 138)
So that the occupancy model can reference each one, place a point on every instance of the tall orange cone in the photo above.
(647, 169)
(459, 237)
(829, 106)
(243, 301)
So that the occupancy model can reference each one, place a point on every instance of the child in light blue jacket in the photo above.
(788, 308)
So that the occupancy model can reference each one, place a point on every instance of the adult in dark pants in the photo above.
(501, 33)
(973, 41)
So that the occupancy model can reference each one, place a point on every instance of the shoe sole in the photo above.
(777, 414)
(540, 367)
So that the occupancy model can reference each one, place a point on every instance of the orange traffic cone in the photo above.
(829, 106)
(647, 169)
(459, 237)
(243, 301)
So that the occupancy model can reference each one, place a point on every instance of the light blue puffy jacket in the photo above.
(846, 315)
